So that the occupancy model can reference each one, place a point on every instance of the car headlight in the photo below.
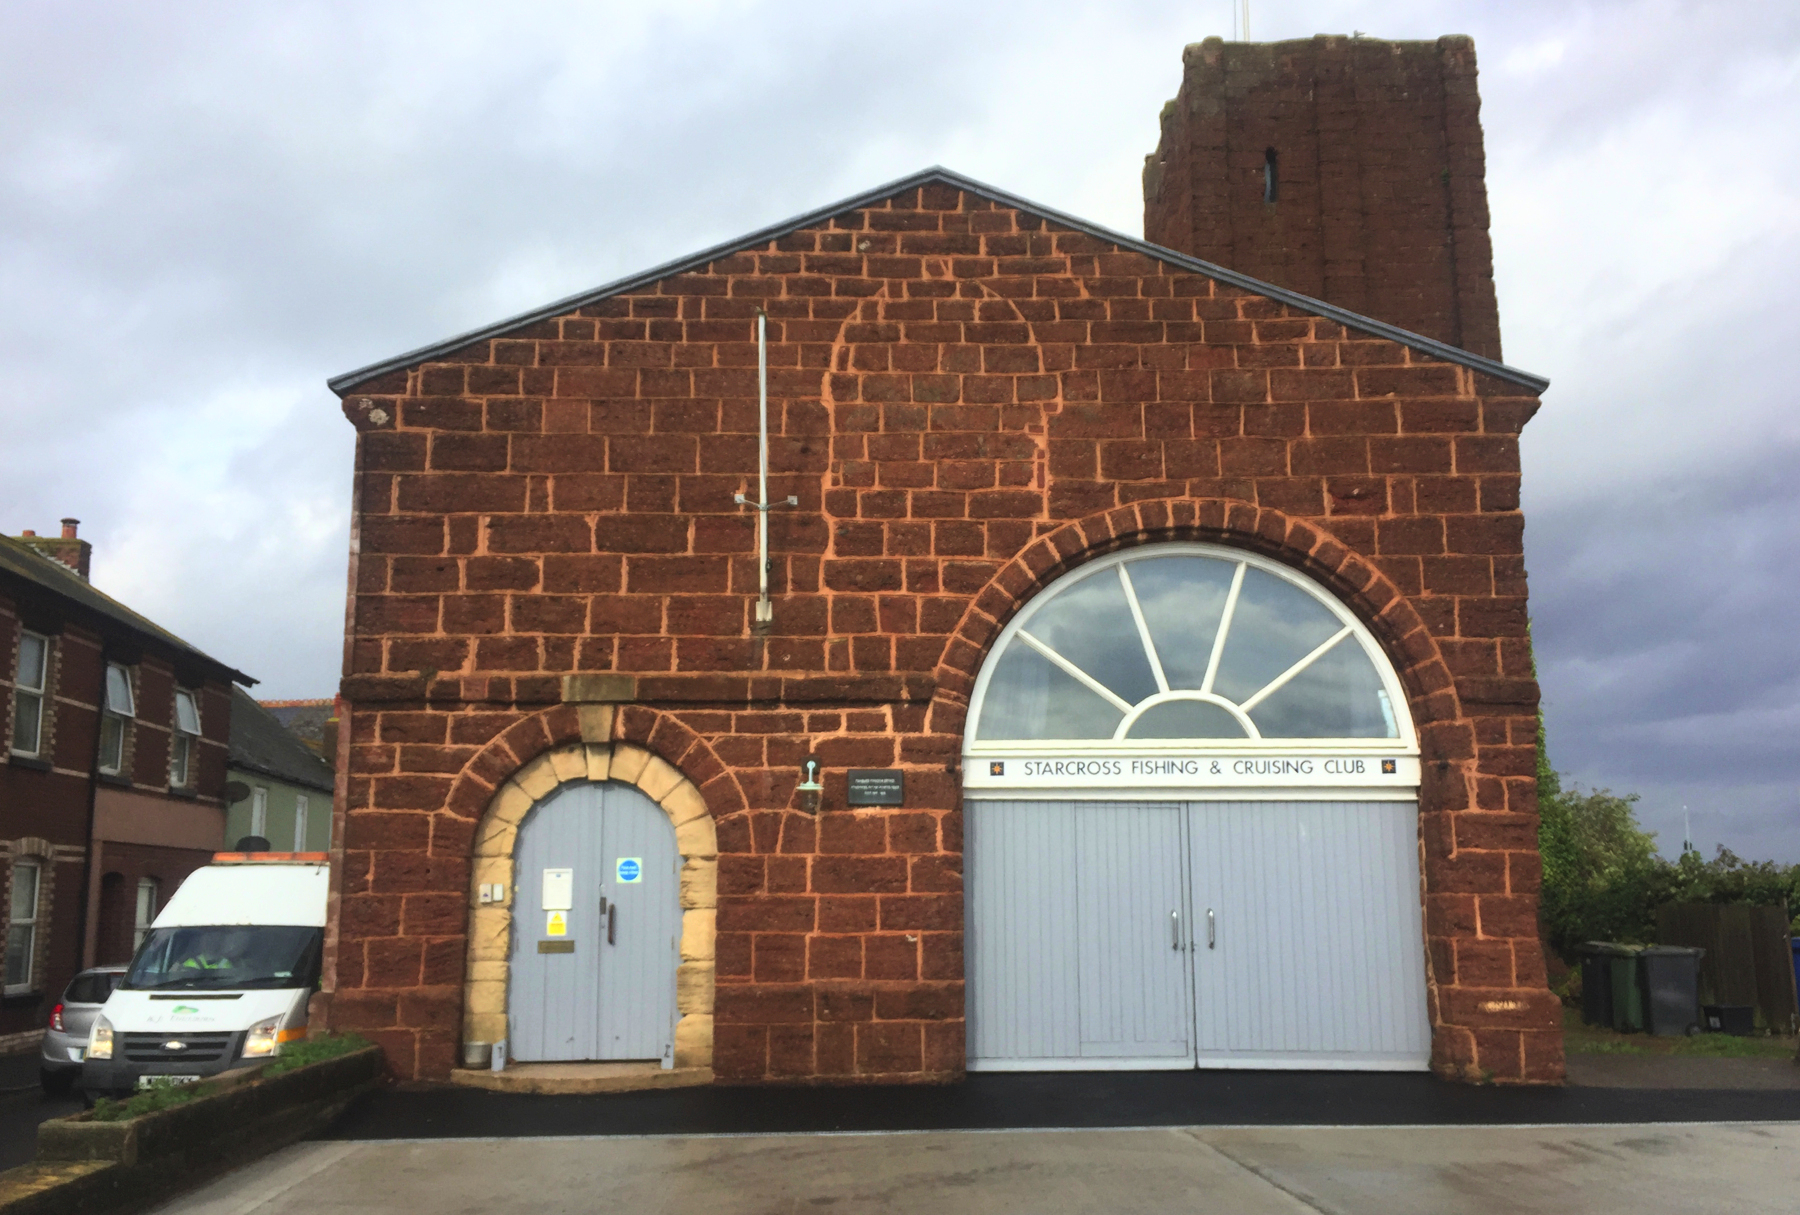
(100, 1039)
(263, 1039)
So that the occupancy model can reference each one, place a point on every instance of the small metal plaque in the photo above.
(876, 787)
(556, 947)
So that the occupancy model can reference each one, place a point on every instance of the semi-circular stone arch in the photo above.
(599, 754)
(1446, 736)
(1311, 550)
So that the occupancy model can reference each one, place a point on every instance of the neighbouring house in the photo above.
(314, 722)
(281, 788)
(1135, 674)
(113, 785)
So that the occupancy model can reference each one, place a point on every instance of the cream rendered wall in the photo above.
(280, 827)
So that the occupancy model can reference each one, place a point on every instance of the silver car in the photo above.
(65, 1040)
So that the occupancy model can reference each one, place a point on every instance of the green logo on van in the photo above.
(185, 1008)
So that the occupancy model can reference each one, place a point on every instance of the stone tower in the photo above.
(1349, 169)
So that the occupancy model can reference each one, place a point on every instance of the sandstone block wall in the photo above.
(967, 400)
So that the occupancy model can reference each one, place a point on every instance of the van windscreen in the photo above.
(233, 956)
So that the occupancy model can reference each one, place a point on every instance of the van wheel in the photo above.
(56, 1083)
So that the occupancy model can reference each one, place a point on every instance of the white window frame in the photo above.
(33, 694)
(183, 742)
(146, 910)
(28, 922)
(1121, 767)
(300, 809)
(259, 811)
(116, 716)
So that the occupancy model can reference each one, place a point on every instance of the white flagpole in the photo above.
(765, 611)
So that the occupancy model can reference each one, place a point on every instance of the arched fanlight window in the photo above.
(1186, 643)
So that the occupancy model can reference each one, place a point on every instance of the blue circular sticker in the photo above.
(630, 869)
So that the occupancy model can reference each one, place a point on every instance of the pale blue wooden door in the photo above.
(554, 999)
(1074, 925)
(1317, 953)
(605, 988)
(1130, 881)
(643, 927)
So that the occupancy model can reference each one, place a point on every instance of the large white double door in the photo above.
(1247, 934)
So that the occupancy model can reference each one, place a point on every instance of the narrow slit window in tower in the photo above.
(1271, 177)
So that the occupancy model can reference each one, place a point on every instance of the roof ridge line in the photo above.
(1306, 303)
(136, 619)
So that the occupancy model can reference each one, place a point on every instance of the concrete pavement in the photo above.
(1748, 1169)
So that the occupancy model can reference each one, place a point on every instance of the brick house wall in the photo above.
(1382, 199)
(44, 804)
(968, 399)
(49, 802)
(123, 866)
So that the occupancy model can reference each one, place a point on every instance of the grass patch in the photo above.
(164, 1095)
(314, 1050)
(1580, 1046)
(1725, 1046)
(1579, 1039)
(161, 1096)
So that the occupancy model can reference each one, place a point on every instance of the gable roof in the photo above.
(938, 175)
(23, 561)
(262, 744)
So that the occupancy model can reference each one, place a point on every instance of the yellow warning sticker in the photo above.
(556, 924)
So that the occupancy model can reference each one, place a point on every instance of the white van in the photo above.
(223, 976)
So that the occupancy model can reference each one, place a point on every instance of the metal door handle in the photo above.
(612, 924)
(1209, 928)
(1174, 930)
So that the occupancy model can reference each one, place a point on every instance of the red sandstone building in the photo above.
(112, 785)
(1155, 627)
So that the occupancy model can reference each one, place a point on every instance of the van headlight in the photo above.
(100, 1039)
(263, 1039)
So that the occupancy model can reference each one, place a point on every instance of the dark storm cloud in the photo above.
(207, 209)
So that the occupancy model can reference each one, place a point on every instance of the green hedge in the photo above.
(1603, 879)
(164, 1095)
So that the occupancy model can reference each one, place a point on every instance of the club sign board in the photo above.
(876, 787)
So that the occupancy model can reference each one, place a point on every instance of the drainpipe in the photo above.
(88, 945)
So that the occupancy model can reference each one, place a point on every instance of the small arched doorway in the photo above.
(597, 928)
(1191, 827)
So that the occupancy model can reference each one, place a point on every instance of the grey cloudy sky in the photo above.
(207, 208)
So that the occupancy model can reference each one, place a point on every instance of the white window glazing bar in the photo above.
(1087, 681)
(1275, 685)
(1137, 614)
(1218, 650)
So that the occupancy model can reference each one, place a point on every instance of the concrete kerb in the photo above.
(596, 758)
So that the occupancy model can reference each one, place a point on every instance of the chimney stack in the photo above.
(68, 548)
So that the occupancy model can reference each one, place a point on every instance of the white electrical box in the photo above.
(493, 892)
(559, 889)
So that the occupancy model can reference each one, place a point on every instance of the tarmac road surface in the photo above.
(1632, 1169)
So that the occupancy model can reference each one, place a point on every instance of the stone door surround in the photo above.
(490, 925)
